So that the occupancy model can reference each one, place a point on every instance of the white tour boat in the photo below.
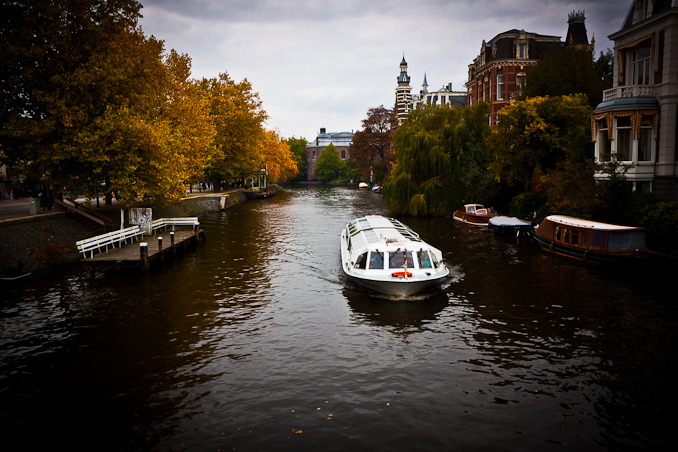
(384, 255)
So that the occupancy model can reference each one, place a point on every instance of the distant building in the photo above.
(444, 96)
(635, 125)
(403, 97)
(406, 102)
(341, 141)
(498, 72)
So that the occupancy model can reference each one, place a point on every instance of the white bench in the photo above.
(131, 233)
(110, 239)
(165, 222)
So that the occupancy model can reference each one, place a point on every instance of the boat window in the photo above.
(575, 237)
(627, 240)
(396, 259)
(376, 260)
(424, 259)
(481, 212)
(436, 264)
(599, 239)
(471, 209)
(558, 233)
(361, 262)
(566, 235)
(584, 239)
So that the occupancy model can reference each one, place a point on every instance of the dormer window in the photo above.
(521, 51)
(643, 10)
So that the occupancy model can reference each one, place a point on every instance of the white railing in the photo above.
(115, 239)
(628, 91)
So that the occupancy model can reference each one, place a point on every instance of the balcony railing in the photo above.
(628, 91)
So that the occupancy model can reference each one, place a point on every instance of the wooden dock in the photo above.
(130, 248)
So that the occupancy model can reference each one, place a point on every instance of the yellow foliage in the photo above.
(276, 156)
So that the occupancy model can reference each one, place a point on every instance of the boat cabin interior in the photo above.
(381, 260)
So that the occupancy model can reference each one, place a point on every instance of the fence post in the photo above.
(162, 256)
(174, 250)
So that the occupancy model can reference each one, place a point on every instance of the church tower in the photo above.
(403, 96)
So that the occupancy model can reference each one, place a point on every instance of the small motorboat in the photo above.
(475, 214)
(384, 255)
(363, 185)
(590, 240)
(509, 225)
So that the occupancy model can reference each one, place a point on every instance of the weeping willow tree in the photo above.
(440, 159)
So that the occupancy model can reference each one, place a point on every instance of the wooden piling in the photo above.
(143, 251)
(162, 256)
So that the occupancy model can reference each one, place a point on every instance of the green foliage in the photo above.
(525, 204)
(441, 159)
(329, 165)
(350, 172)
(567, 71)
(298, 148)
(615, 199)
(543, 145)
(661, 219)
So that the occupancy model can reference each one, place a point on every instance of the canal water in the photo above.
(254, 340)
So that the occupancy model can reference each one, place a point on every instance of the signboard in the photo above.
(142, 216)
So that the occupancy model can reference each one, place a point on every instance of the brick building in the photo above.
(498, 72)
(341, 141)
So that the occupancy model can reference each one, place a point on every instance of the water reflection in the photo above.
(254, 340)
(400, 316)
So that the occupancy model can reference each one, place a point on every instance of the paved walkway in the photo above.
(14, 208)
(21, 208)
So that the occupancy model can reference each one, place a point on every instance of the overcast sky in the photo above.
(321, 63)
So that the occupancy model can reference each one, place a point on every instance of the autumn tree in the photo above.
(238, 117)
(298, 148)
(440, 160)
(91, 101)
(543, 145)
(372, 147)
(276, 157)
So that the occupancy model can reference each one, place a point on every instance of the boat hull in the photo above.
(398, 287)
(583, 255)
(555, 233)
(469, 218)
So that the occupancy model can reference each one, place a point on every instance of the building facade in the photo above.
(341, 141)
(498, 72)
(443, 96)
(635, 128)
(406, 101)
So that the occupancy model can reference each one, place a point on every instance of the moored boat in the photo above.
(503, 224)
(475, 214)
(590, 240)
(384, 255)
